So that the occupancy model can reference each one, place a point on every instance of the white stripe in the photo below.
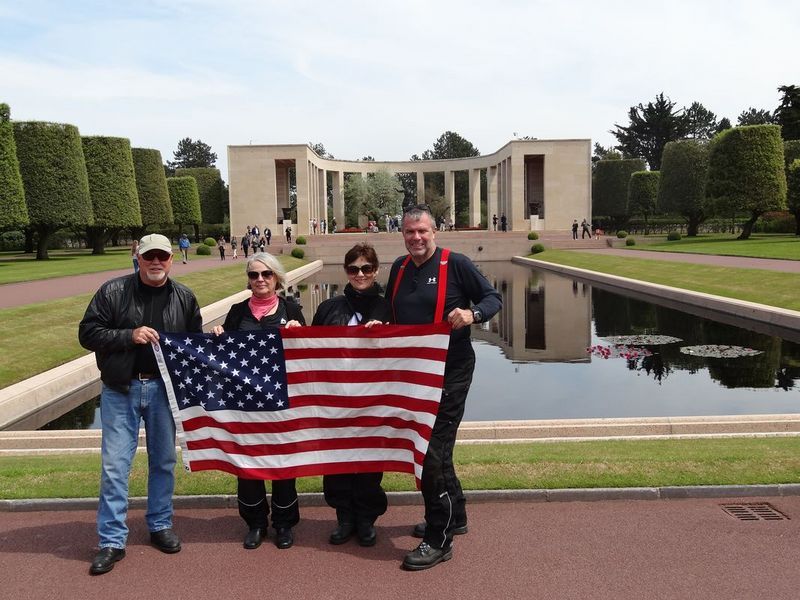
(356, 390)
(304, 435)
(419, 365)
(277, 461)
(435, 341)
(325, 412)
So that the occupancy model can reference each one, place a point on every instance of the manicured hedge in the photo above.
(54, 176)
(682, 188)
(610, 186)
(151, 187)
(793, 192)
(185, 200)
(209, 186)
(112, 182)
(13, 212)
(746, 172)
(643, 192)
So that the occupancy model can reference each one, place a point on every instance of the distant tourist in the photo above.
(575, 229)
(503, 222)
(183, 244)
(221, 247)
(585, 230)
(135, 255)
(494, 222)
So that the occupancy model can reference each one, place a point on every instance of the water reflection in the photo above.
(533, 361)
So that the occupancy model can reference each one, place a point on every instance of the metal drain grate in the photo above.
(756, 511)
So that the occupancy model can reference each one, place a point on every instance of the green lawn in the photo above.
(45, 335)
(590, 464)
(754, 285)
(16, 266)
(758, 246)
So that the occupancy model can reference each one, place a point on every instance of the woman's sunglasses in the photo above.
(365, 269)
(254, 274)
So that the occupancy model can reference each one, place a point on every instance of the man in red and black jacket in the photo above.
(428, 285)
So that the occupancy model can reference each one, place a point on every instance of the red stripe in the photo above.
(306, 423)
(420, 352)
(302, 470)
(348, 376)
(380, 332)
(393, 400)
(371, 442)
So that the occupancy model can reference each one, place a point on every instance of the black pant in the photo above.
(253, 507)
(445, 504)
(357, 497)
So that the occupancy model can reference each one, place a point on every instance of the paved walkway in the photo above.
(29, 292)
(610, 549)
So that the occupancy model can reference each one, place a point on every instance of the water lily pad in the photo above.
(618, 351)
(641, 340)
(719, 351)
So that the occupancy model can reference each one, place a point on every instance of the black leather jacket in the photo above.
(115, 311)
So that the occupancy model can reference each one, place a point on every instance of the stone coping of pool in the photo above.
(699, 303)
(20, 400)
(21, 443)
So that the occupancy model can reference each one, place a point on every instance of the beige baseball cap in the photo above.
(155, 241)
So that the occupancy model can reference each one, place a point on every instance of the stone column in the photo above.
(450, 194)
(323, 199)
(303, 175)
(474, 197)
(420, 187)
(338, 200)
(491, 194)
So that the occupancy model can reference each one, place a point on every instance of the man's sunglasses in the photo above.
(365, 269)
(265, 274)
(151, 255)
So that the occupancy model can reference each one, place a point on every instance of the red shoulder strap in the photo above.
(441, 292)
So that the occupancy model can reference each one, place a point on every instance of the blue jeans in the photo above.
(120, 414)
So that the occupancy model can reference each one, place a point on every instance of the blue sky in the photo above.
(383, 78)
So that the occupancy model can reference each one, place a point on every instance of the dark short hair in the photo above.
(362, 249)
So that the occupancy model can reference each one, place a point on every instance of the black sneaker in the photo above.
(419, 530)
(425, 556)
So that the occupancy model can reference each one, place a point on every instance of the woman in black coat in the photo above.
(358, 498)
(265, 308)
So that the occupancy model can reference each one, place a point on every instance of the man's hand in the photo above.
(460, 317)
(144, 335)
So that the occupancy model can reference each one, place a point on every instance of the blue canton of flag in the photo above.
(234, 371)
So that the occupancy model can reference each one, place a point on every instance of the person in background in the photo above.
(221, 247)
(135, 255)
(246, 244)
(265, 308)
(120, 323)
(233, 247)
(288, 234)
(184, 244)
(358, 498)
(575, 229)
(268, 234)
(416, 297)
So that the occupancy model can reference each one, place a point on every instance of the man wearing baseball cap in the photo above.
(120, 323)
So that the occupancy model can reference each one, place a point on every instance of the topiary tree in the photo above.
(746, 172)
(793, 192)
(642, 194)
(54, 176)
(185, 201)
(151, 188)
(610, 188)
(682, 185)
(13, 212)
(112, 187)
(209, 186)
(791, 152)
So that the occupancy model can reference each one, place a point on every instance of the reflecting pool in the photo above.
(555, 352)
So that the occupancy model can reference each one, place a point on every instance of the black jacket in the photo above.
(339, 309)
(241, 309)
(116, 310)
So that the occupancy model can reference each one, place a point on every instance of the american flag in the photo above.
(283, 403)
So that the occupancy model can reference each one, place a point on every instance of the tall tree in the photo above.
(603, 153)
(701, 123)
(210, 187)
(650, 128)
(185, 201)
(450, 145)
(642, 195)
(319, 149)
(151, 188)
(112, 187)
(755, 116)
(787, 115)
(682, 185)
(724, 123)
(191, 154)
(384, 195)
(54, 176)
(746, 173)
(355, 195)
(793, 192)
(13, 212)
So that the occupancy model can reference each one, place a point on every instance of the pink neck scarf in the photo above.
(262, 306)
